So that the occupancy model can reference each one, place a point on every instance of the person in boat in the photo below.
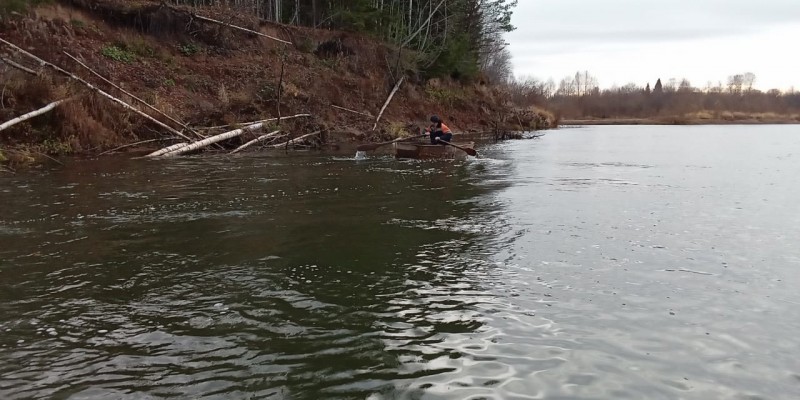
(439, 130)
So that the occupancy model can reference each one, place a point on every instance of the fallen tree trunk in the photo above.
(297, 139)
(19, 66)
(218, 138)
(252, 122)
(96, 89)
(167, 149)
(32, 114)
(209, 141)
(181, 124)
(254, 141)
(202, 18)
(388, 100)
(134, 144)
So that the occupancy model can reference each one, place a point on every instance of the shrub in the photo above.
(117, 54)
(189, 49)
(140, 47)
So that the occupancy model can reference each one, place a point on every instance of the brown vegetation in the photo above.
(206, 74)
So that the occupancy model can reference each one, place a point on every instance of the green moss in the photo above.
(189, 49)
(52, 146)
(140, 48)
(117, 54)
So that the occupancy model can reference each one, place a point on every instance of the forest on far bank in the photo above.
(676, 101)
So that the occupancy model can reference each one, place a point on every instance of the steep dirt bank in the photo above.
(205, 75)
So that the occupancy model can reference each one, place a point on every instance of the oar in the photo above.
(467, 150)
(373, 146)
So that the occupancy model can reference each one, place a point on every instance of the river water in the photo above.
(594, 263)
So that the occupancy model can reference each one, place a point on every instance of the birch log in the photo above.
(388, 100)
(134, 144)
(31, 114)
(19, 66)
(181, 124)
(167, 149)
(218, 138)
(253, 122)
(254, 141)
(209, 141)
(96, 89)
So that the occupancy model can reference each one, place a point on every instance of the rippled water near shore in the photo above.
(594, 263)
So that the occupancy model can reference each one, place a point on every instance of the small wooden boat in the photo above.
(427, 151)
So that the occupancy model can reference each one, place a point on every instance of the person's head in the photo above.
(435, 119)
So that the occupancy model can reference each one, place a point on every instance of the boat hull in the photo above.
(422, 151)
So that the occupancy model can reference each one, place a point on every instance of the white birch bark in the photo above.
(388, 100)
(31, 114)
(215, 139)
(92, 87)
(254, 141)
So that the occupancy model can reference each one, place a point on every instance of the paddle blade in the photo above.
(471, 152)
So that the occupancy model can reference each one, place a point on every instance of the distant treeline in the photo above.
(458, 38)
(581, 98)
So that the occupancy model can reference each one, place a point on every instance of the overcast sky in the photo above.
(624, 41)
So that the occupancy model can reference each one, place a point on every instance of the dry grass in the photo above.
(233, 79)
(222, 96)
(93, 123)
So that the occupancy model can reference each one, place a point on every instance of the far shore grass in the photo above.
(691, 119)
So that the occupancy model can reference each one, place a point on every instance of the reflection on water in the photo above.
(608, 262)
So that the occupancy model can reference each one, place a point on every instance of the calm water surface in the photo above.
(595, 263)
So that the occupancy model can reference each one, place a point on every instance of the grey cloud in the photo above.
(634, 35)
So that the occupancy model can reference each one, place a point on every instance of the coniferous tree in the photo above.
(658, 89)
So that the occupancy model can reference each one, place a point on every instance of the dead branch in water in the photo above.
(34, 152)
(388, 100)
(182, 124)
(209, 141)
(135, 144)
(208, 128)
(297, 139)
(94, 88)
(254, 141)
(167, 149)
(217, 138)
(32, 114)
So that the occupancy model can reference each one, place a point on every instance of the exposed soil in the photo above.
(205, 75)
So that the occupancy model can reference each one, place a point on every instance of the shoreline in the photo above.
(677, 121)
